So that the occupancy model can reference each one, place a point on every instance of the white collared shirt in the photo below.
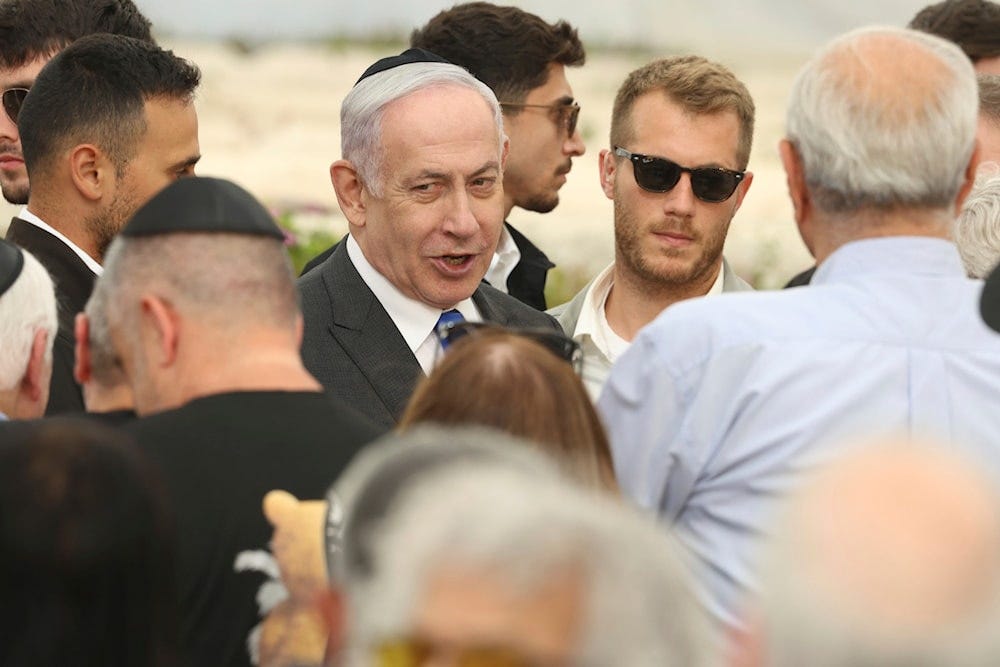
(33, 219)
(414, 319)
(601, 345)
(504, 260)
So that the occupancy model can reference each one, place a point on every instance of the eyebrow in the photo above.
(440, 175)
(188, 162)
(564, 101)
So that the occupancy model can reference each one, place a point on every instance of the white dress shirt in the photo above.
(720, 404)
(504, 260)
(414, 319)
(600, 344)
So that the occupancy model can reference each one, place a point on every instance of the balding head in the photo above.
(889, 557)
(882, 119)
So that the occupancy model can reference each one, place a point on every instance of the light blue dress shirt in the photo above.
(720, 403)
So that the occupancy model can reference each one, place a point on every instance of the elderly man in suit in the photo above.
(421, 184)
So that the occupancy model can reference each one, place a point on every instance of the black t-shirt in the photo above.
(219, 456)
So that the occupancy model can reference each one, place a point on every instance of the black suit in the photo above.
(353, 348)
(74, 282)
(526, 282)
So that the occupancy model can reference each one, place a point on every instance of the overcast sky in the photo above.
(683, 24)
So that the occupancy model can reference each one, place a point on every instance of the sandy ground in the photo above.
(269, 120)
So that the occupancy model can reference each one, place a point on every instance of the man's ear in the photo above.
(81, 365)
(504, 154)
(970, 178)
(38, 374)
(350, 190)
(89, 171)
(609, 169)
(798, 192)
(161, 321)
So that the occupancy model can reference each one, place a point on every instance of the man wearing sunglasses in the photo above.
(108, 123)
(523, 60)
(681, 131)
(31, 33)
(419, 184)
(721, 404)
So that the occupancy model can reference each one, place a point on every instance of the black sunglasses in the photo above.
(657, 174)
(568, 116)
(561, 345)
(13, 98)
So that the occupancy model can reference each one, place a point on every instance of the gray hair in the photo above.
(236, 282)
(105, 366)
(639, 609)
(810, 610)
(989, 97)
(364, 107)
(977, 228)
(879, 133)
(29, 305)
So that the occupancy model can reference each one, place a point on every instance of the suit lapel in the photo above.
(367, 334)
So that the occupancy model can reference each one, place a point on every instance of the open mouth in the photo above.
(455, 260)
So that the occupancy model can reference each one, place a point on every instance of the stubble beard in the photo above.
(106, 225)
(15, 193)
(671, 268)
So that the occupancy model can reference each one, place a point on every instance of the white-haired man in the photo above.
(27, 329)
(484, 554)
(721, 402)
(888, 557)
(421, 187)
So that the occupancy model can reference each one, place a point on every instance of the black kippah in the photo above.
(405, 58)
(11, 263)
(198, 204)
(989, 302)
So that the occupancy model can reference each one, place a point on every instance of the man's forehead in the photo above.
(23, 74)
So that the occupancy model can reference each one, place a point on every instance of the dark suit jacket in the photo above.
(74, 282)
(353, 348)
(526, 282)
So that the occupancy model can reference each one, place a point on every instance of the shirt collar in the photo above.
(504, 260)
(33, 219)
(414, 319)
(913, 255)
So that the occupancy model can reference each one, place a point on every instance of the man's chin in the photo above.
(541, 204)
(15, 193)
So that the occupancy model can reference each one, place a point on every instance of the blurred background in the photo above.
(275, 71)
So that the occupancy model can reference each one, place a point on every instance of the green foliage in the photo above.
(563, 283)
(302, 246)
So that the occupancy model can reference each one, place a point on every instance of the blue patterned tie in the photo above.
(447, 317)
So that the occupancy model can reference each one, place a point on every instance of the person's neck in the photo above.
(833, 232)
(69, 223)
(634, 302)
(252, 369)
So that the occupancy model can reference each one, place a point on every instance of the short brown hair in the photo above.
(503, 380)
(506, 48)
(697, 85)
(972, 24)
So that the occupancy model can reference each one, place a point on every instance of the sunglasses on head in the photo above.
(569, 114)
(13, 98)
(657, 174)
(564, 347)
